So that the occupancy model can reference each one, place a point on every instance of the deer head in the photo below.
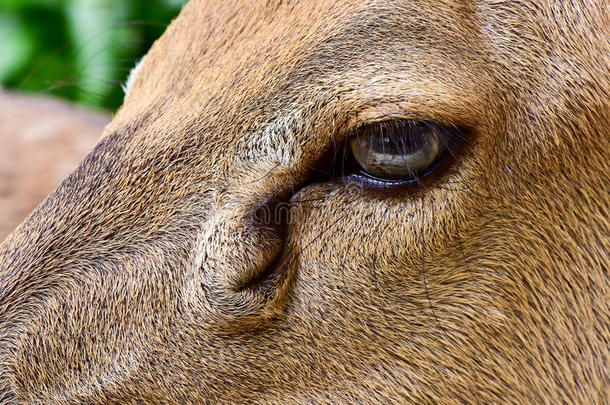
(331, 202)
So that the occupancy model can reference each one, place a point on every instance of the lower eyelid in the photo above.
(439, 162)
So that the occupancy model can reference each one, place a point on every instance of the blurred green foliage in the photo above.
(81, 50)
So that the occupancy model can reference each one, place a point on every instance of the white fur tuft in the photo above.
(131, 79)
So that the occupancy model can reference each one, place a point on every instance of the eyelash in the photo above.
(342, 165)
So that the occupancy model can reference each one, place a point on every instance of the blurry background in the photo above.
(62, 64)
(80, 50)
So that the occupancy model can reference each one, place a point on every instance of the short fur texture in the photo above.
(143, 279)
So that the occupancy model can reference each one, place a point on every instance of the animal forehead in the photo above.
(319, 32)
(223, 59)
(216, 49)
(223, 68)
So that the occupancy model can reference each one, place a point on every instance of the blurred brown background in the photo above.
(41, 142)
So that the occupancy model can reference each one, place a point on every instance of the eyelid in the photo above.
(442, 113)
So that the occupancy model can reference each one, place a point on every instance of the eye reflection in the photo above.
(398, 150)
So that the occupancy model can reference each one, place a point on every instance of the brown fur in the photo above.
(41, 142)
(137, 281)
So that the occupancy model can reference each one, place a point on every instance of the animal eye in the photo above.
(399, 150)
